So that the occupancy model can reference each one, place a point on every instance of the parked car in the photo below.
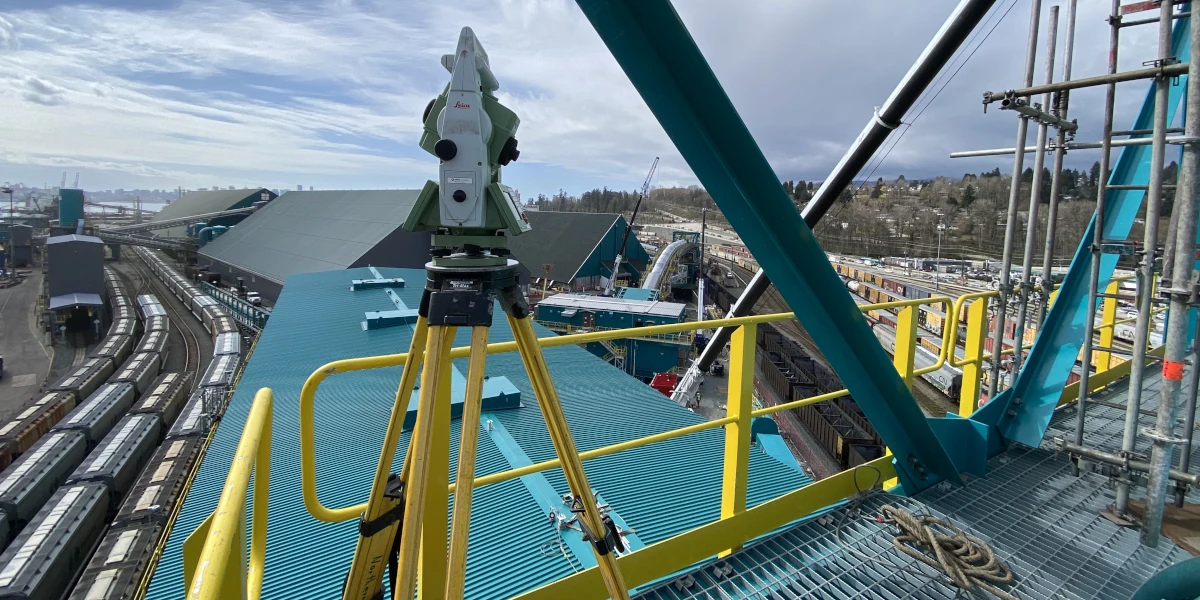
(254, 298)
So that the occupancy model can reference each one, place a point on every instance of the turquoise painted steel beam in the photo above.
(1040, 382)
(654, 48)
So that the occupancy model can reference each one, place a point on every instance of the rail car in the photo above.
(44, 559)
(198, 302)
(35, 420)
(116, 569)
(143, 300)
(116, 348)
(152, 310)
(193, 421)
(218, 377)
(86, 378)
(159, 489)
(31, 480)
(97, 414)
(166, 397)
(229, 343)
(129, 327)
(157, 343)
(120, 456)
(160, 323)
(123, 312)
(222, 325)
(210, 312)
(139, 371)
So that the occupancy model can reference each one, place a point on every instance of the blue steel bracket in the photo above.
(654, 48)
(1022, 413)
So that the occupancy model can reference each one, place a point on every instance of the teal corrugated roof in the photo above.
(659, 490)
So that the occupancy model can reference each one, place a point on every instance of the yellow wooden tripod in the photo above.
(454, 297)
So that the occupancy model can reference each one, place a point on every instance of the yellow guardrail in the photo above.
(737, 523)
(215, 550)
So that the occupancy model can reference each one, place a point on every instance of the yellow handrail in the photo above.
(214, 550)
(308, 483)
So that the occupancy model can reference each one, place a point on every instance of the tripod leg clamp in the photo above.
(394, 489)
(611, 541)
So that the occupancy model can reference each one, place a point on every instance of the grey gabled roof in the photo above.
(562, 239)
(199, 203)
(305, 232)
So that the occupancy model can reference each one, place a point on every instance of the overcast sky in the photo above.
(149, 94)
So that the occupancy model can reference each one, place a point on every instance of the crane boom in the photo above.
(612, 281)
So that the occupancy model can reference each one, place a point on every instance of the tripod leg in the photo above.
(564, 446)
(366, 572)
(468, 442)
(374, 542)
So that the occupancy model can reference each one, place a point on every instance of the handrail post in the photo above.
(972, 382)
(740, 405)
(1108, 317)
(905, 352)
(214, 554)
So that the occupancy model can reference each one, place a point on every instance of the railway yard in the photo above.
(113, 443)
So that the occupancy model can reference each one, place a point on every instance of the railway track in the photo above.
(931, 400)
(182, 322)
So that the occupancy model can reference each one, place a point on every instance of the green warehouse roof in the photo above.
(307, 232)
(566, 240)
(660, 490)
(199, 203)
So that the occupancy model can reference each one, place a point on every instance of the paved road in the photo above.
(26, 360)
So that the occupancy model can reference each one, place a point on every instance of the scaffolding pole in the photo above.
(1069, 146)
(1158, 151)
(1180, 292)
(1189, 409)
(1061, 105)
(1035, 198)
(1014, 197)
(1110, 99)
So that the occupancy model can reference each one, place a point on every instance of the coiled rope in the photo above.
(967, 560)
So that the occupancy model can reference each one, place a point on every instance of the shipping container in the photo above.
(120, 456)
(97, 414)
(139, 371)
(45, 558)
(159, 489)
(31, 480)
(29, 425)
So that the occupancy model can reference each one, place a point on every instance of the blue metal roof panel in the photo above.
(513, 546)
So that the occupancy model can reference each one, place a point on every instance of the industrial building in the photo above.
(200, 203)
(655, 492)
(640, 357)
(575, 251)
(75, 279)
(312, 231)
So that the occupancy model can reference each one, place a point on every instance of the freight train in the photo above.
(94, 438)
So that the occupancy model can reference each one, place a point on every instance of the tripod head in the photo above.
(471, 133)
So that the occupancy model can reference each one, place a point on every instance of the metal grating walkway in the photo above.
(1104, 425)
(1039, 519)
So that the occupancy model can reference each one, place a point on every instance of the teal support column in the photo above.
(655, 50)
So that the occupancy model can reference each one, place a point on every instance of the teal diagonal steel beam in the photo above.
(1022, 412)
(654, 48)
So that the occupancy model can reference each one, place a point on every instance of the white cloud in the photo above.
(43, 92)
(333, 91)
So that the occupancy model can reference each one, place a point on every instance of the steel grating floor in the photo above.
(1105, 425)
(1039, 518)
